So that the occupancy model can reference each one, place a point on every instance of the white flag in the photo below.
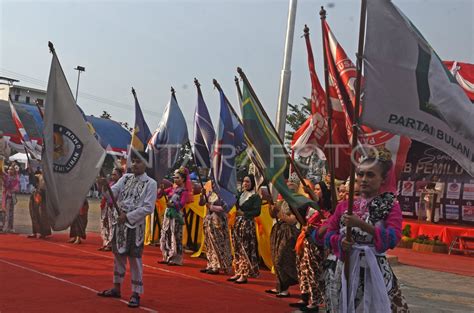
(73, 157)
(409, 91)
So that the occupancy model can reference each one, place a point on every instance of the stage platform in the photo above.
(445, 232)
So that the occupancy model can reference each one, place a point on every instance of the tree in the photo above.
(106, 115)
(298, 115)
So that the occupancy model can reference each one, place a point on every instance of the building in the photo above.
(27, 95)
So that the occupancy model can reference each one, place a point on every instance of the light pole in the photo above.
(79, 69)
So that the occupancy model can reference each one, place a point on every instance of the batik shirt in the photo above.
(136, 196)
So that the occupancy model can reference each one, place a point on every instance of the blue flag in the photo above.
(167, 140)
(204, 134)
(230, 142)
(141, 132)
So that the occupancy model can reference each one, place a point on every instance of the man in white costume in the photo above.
(136, 196)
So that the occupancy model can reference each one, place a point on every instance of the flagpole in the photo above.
(229, 105)
(332, 170)
(286, 71)
(237, 85)
(297, 170)
(355, 126)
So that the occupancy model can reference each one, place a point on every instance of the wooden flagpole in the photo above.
(332, 169)
(355, 125)
(260, 169)
(297, 170)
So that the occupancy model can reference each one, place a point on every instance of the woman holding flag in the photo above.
(376, 225)
(244, 236)
(216, 234)
(171, 239)
(283, 239)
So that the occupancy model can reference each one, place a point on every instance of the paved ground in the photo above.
(425, 290)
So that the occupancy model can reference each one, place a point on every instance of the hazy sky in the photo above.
(153, 45)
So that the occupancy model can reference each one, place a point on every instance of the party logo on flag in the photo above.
(67, 149)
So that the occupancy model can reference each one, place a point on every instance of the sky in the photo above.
(153, 45)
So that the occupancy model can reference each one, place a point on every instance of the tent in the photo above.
(19, 157)
(112, 135)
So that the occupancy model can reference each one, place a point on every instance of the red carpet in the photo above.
(456, 264)
(53, 276)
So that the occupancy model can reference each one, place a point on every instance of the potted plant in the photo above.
(423, 243)
(407, 241)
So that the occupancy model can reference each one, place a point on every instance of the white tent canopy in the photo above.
(20, 157)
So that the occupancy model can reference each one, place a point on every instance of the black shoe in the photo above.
(240, 282)
(212, 272)
(134, 301)
(298, 304)
(233, 278)
(204, 270)
(272, 291)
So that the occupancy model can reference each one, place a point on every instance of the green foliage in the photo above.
(425, 239)
(406, 230)
(297, 115)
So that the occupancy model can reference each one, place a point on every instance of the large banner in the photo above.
(455, 187)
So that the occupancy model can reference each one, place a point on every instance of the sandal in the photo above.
(134, 301)
(109, 293)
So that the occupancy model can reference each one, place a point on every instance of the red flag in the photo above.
(464, 74)
(342, 73)
(313, 134)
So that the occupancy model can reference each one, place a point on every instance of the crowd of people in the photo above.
(309, 245)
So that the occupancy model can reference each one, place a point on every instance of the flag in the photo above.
(313, 134)
(413, 93)
(267, 148)
(204, 134)
(343, 75)
(141, 133)
(72, 157)
(32, 149)
(167, 140)
(230, 142)
(464, 74)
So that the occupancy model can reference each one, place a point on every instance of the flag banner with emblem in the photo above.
(413, 93)
(267, 148)
(313, 134)
(166, 141)
(343, 75)
(141, 133)
(204, 134)
(230, 142)
(72, 156)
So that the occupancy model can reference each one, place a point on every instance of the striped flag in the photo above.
(267, 148)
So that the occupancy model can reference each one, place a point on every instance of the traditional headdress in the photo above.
(384, 156)
(188, 185)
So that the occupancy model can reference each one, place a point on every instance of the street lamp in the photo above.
(79, 69)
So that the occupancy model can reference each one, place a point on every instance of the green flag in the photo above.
(267, 148)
